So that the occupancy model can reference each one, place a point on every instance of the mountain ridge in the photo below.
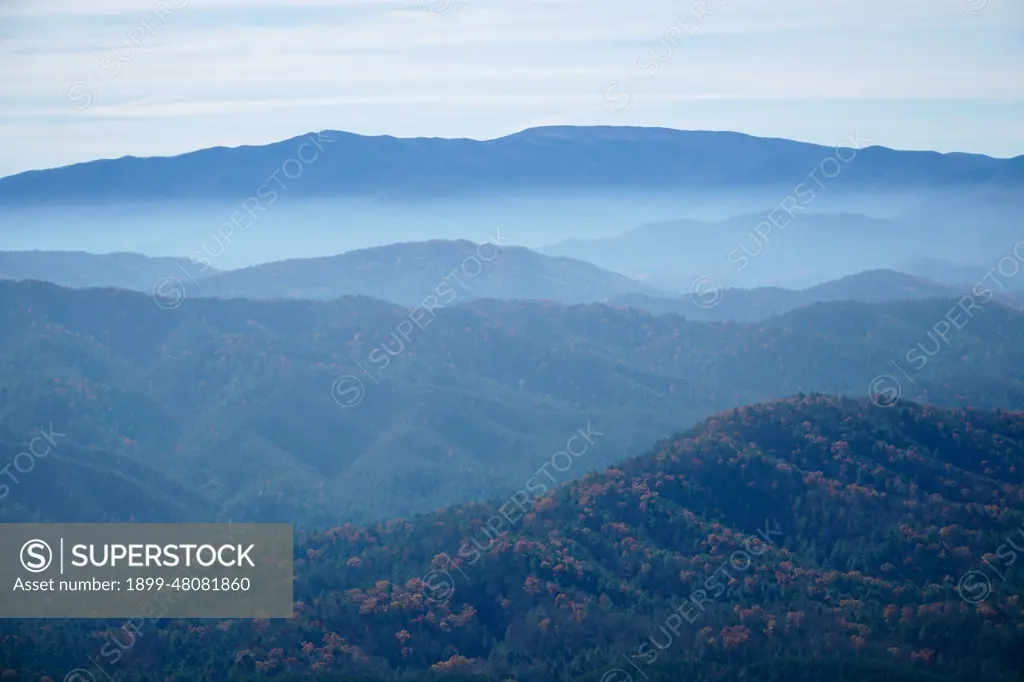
(756, 249)
(458, 408)
(810, 532)
(409, 272)
(540, 158)
(419, 269)
(760, 303)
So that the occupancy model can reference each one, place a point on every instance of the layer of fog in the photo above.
(939, 225)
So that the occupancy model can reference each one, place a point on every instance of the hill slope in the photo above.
(318, 411)
(808, 538)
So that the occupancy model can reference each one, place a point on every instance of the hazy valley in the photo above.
(577, 403)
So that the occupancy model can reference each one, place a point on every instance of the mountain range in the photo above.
(756, 211)
(358, 409)
(807, 538)
(452, 272)
(566, 157)
(793, 249)
(774, 433)
(408, 273)
(713, 301)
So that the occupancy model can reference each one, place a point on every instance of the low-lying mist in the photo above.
(653, 236)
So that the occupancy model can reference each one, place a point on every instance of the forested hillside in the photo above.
(322, 412)
(792, 540)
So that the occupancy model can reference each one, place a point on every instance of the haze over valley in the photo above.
(659, 209)
(463, 341)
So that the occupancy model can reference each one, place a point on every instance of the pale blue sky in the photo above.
(913, 74)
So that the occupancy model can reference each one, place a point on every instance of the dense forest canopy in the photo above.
(806, 534)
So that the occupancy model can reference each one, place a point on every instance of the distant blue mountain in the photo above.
(549, 158)
(401, 273)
